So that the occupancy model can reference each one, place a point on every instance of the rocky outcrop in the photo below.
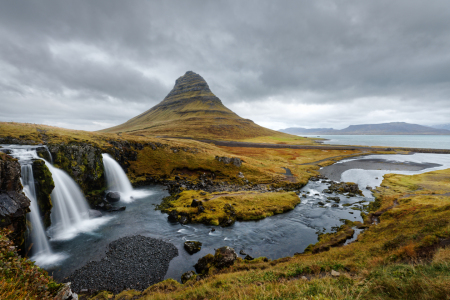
(224, 257)
(14, 205)
(44, 186)
(344, 187)
(84, 163)
(230, 160)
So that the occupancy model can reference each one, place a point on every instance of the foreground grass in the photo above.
(403, 257)
(21, 278)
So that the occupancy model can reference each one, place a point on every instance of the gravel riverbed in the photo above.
(133, 262)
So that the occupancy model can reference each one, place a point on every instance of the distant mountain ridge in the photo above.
(393, 128)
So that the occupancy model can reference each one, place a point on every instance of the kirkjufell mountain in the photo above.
(192, 110)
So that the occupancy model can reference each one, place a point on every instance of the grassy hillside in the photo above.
(192, 110)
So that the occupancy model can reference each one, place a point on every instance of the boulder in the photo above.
(113, 197)
(187, 276)
(248, 257)
(173, 216)
(201, 209)
(224, 257)
(196, 203)
(94, 213)
(192, 246)
(204, 264)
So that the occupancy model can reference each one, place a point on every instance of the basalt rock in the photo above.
(344, 187)
(44, 186)
(192, 246)
(223, 258)
(84, 163)
(113, 197)
(187, 276)
(14, 205)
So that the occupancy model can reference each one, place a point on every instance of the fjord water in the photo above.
(409, 141)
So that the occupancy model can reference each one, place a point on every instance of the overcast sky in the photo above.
(94, 64)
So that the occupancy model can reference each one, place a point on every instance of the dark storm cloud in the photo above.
(93, 64)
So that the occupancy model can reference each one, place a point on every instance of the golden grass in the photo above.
(246, 205)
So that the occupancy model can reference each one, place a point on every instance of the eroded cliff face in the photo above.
(44, 185)
(14, 205)
(84, 163)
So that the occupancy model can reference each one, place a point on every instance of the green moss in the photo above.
(44, 186)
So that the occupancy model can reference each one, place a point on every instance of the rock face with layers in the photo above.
(84, 163)
(192, 110)
(14, 205)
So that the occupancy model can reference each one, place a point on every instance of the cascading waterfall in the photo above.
(40, 250)
(116, 178)
(70, 209)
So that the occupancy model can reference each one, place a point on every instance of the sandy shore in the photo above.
(335, 171)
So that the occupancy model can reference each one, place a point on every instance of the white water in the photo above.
(117, 180)
(41, 251)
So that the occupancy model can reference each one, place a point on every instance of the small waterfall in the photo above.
(70, 208)
(40, 242)
(116, 178)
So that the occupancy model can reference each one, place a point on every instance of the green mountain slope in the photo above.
(192, 110)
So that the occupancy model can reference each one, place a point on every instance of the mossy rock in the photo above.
(44, 185)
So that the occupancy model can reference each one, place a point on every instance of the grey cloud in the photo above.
(314, 52)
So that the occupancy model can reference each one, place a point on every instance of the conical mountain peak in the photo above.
(189, 82)
(191, 110)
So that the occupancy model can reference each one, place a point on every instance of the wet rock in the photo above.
(204, 264)
(192, 246)
(183, 220)
(44, 185)
(14, 205)
(94, 213)
(113, 197)
(320, 203)
(173, 216)
(224, 257)
(242, 252)
(248, 257)
(187, 276)
(335, 205)
(345, 187)
(213, 229)
(335, 199)
(196, 203)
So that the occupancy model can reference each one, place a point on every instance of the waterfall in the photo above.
(116, 178)
(40, 242)
(41, 251)
(70, 208)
